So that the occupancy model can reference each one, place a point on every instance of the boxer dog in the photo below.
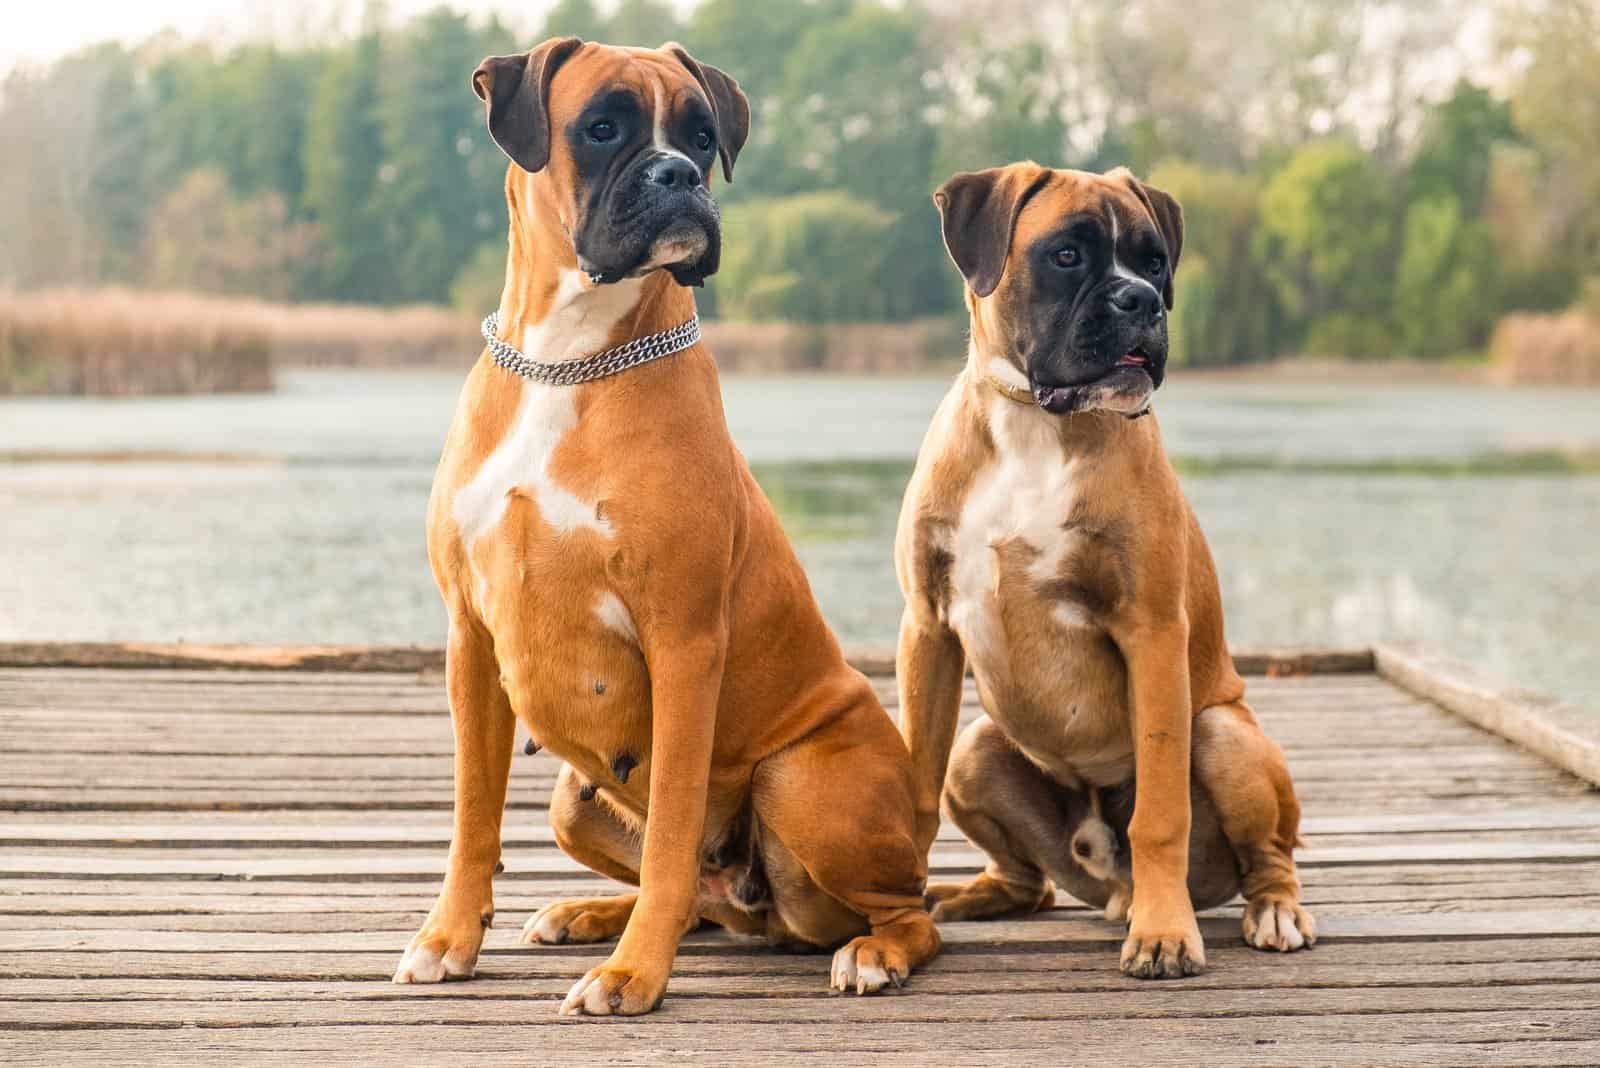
(1044, 541)
(616, 581)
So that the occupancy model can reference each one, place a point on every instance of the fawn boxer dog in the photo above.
(1044, 541)
(617, 583)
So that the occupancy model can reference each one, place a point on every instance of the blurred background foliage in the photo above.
(1356, 181)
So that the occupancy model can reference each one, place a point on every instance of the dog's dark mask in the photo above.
(1087, 283)
(642, 147)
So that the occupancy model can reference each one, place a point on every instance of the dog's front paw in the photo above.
(1163, 945)
(583, 919)
(868, 964)
(1278, 921)
(616, 988)
(445, 948)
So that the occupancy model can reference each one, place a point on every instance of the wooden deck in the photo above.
(223, 866)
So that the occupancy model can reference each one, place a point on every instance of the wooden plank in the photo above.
(1336, 1042)
(869, 659)
(1566, 736)
(214, 863)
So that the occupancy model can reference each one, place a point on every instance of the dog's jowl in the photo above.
(1044, 543)
(617, 583)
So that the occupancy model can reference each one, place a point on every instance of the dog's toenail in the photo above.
(487, 919)
(586, 792)
(499, 867)
(531, 748)
(599, 685)
(623, 766)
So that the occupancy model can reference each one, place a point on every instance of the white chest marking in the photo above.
(1026, 493)
(578, 324)
(522, 461)
(580, 319)
(614, 614)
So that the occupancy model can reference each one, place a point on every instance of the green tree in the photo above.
(575, 18)
(853, 114)
(1556, 103)
(1008, 108)
(242, 114)
(1457, 143)
(815, 257)
(203, 237)
(477, 289)
(1226, 309)
(644, 23)
(751, 40)
(853, 109)
(1445, 285)
(440, 189)
(343, 154)
(1327, 239)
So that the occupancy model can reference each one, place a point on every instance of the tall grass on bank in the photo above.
(1547, 349)
(125, 342)
(119, 343)
(122, 342)
(848, 348)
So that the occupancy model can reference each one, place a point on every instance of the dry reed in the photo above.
(123, 342)
(1547, 349)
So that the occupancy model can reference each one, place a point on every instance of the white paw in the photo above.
(850, 972)
(544, 928)
(589, 997)
(1117, 905)
(423, 964)
(1278, 924)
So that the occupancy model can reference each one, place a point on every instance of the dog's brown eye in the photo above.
(1067, 257)
(1157, 265)
(704, 140)
(602, 130)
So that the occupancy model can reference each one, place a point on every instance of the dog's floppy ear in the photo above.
(1168, 214)
(517, 92)
(978, 213)
(729, 106)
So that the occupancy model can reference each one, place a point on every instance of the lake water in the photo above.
(1450, 515)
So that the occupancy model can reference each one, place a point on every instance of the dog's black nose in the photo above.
(673, 172)
(1137, 300)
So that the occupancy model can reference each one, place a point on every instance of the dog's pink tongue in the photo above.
(1132, 359)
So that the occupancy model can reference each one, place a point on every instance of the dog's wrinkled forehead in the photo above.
(1087, 207)
(998, 222)
(536, 99)
(603, 78)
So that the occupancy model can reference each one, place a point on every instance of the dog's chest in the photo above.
(1030, 586)
(536, 549)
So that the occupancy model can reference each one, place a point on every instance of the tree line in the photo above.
(1340, 197)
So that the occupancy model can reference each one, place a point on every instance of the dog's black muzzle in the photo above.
(656, 213)
(1115, 352)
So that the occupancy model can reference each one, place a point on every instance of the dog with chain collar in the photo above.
(617, 583)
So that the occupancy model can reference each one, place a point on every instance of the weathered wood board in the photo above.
(222, 864)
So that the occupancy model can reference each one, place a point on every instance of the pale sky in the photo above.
(41, 30)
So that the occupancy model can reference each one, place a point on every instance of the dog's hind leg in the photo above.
(839, 807)
(1244, 773)
(1022, 820)
(594, 834)
(591, 832)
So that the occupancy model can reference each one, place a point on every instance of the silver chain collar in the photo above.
(601, 364)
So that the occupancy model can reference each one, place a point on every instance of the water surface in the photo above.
(1460, 516)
